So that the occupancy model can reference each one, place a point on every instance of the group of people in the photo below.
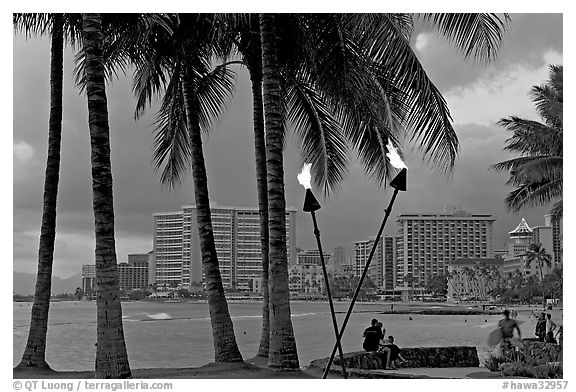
(545, 329)
(374, 341)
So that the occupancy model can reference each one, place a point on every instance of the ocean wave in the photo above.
(159, 316)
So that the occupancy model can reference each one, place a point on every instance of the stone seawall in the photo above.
(416, 357)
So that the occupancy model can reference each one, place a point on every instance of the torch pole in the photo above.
(332, 312)
(364, 272)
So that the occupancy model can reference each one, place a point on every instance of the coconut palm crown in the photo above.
(537, 173)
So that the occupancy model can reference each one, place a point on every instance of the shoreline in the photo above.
(252, 368)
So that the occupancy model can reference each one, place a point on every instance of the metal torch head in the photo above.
(399, 182)
(310, 202)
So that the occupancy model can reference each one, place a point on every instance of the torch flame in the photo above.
(394, 157)
(305, 178)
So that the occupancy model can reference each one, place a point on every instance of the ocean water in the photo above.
(179, 334)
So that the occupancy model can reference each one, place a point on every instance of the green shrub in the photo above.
(492, 362)
(548, 371)
(518, 369)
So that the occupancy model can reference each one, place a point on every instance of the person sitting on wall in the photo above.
(393, 354)
(372, 336)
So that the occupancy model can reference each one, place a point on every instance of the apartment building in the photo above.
(133, 275)
(177, 256)
(312, 256)
(339, 259)
(88, 278)
(390, 244)
(362, 251)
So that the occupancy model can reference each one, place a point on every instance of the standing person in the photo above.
(372, 336)
(550, 327)
(559, 334)
(507, 326)
(540, 330)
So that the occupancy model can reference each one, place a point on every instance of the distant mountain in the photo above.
(24, 283)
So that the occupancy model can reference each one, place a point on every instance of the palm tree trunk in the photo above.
(35, 351)
(225, 347)
(260, 152)
(282, 351)
(111, 355)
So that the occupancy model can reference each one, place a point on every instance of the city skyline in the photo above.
(478, 95)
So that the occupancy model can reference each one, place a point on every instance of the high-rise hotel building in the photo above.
(428, 243)
(178, 260)
(362, 251)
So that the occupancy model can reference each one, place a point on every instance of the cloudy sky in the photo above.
(478, 95)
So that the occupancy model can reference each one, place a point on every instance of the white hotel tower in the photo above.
(178, 260)
(428, 243)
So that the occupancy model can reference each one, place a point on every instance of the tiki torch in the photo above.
(311, 205)
(399, 184)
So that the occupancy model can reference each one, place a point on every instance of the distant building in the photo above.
(305, 279)
(312, 256)
(134, 274)
(500, 253)
(430, 242)
(390, 245)
(521, 238)
(255, 285)
(339, 259)
(362, 250)
(557, 242)
(88, 278)
(177, 256)
(348, 269)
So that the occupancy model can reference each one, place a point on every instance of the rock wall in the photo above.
(433, 357)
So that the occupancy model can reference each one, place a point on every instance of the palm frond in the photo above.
(531, 137)
(322, 139)
(31, 24)
(548, 98)
(215, 89)
(368, 116)
(172, 151)
(428, 118)
(533, 194)
(475, 35)
(557, 211)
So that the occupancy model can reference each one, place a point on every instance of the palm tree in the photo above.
(536, 253)
(412, 100)
(60, 27)
(537, 173)
(249, 46)
(177, 63)
(451, 277)
(35, 351)
(111, 355)
(282, 350)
